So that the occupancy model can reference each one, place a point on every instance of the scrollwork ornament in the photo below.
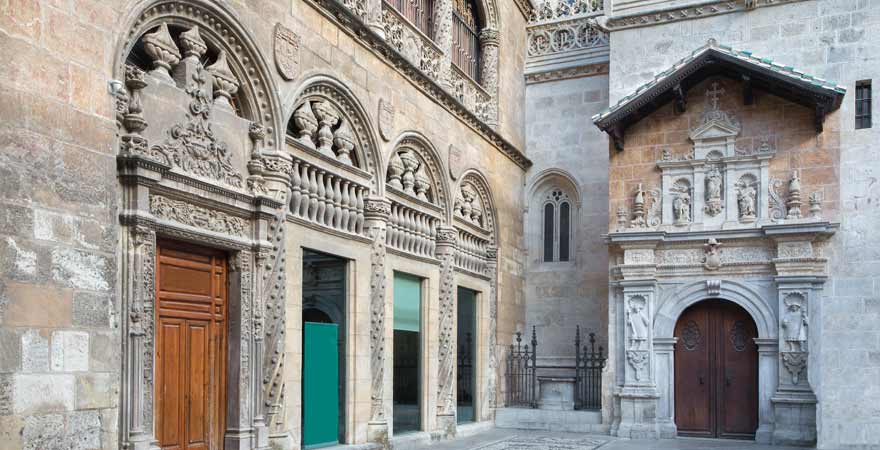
(795, 363)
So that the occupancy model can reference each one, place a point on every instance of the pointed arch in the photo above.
(218, 26)
(552, 212)
(556, 177)
(430, 157)
(366, 151)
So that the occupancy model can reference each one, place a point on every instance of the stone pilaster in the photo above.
(446, 390)
(239, 433)
(490, 40)
(490, 400)
(139, 273)
(443, 39)
(377, 212)
(768, 354)
(664, 360)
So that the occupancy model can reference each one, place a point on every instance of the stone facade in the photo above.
(259, 130)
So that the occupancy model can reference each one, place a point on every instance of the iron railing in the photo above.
(522, 374)
(589, 362)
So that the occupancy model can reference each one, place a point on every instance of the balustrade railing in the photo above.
(326, 198)
(470, 253)
(589, 362)
(522, 373)
(411, 231)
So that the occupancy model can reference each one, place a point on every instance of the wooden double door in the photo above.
(191, 308)
(716, 371)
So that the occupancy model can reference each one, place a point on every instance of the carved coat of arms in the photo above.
(386, 119)
(287, 44)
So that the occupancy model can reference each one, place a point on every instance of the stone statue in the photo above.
(681, 207)
(712, 260)
(794, 326)
(637, 322)
(713, 192)
(746, 199)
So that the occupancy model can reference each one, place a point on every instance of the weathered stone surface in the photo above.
(11, 428)
(96, 390)
(104, 353)
(70, 351)
(10, 351)
(36, 306)
(91, 310)
(80, 270)
(35, 351)
(33, 394)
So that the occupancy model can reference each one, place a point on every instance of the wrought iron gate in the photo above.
(522, 373)
(589, 363)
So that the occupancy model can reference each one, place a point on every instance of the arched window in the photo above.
(557, 227)
(549, 215)
(419, 12)
(466, 38)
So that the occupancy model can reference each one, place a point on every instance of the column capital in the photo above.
(490, 36)
(377, 209)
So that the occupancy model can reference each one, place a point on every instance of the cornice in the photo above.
(354, 26)
(701, 9)
(567, 73)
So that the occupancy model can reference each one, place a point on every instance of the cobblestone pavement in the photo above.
(498, 439)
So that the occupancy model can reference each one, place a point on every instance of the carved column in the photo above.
(374, 17)
(238, 408)
(443, 39)
(139, 263)
(446, 403)
(490, 40)
(271, 422)
(490, 395)
(377, 212)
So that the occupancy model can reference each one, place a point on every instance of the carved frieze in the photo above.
(287, 52)
(197, 216)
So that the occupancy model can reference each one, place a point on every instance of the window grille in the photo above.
(419, 12)
(466, 39)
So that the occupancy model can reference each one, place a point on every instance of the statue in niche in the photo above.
(714, 203)
(681, 206)
(794, 324)
(746, 198)
(637, 322)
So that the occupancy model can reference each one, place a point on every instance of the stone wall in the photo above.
(832, 39)
(60, 305)
(571, 155)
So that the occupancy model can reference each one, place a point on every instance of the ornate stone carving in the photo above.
(344, 141)
(447, 345)
(192, 146)
(455, 161)
(795, 363)
(713, 288)
(794, 197)
(777, 206)
(637, 322)
(197, 216)
(162, 49)
(747, 197)
(468, 205)
(638, 360)
(714, 182)
(287, 50)
(328, 117)
(387, 116)
(795, 322)
(555, 10)
(225, 83)
(681, 202)
(639, 220)
(560, 37)
(377, 212)
(712, 258)
(816, 205)
(306, 123)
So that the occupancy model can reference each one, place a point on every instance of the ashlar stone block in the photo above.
(34, 351)
(42, 393)
(70, 351)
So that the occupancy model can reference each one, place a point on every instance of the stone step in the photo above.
(551, 420)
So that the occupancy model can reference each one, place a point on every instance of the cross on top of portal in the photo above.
(713, 94)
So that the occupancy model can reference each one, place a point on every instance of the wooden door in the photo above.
(716, 371)
(190, 388)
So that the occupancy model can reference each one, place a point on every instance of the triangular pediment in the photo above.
(715, 128)
(714, 59)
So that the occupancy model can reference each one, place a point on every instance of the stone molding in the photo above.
(525, 8)
(660, 15)
(588, 70)
(385, 51)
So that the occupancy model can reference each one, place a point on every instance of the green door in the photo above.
(320, 385)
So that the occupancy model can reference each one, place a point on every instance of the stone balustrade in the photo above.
(471, 252)
(411, 231)
(325, 197)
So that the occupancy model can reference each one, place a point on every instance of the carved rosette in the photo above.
(377, 211)
(446, 237)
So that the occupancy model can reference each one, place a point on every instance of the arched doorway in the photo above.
(716, 371)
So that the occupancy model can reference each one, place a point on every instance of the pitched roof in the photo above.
(713, 59)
